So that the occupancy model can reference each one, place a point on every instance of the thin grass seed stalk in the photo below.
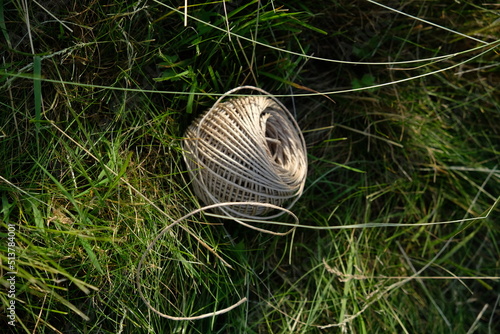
(246, 149)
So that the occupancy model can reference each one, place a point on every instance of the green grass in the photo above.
(400, 213)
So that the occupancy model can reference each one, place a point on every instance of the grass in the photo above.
(399, 213)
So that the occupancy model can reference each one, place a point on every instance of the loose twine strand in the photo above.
(168, 227)
(247, 161)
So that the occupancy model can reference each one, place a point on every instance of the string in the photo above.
(168, 227)
(247, 159)
(247, 149)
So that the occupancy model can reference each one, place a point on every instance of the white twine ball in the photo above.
(247, 149)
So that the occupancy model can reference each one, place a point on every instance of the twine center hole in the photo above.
(273, 138)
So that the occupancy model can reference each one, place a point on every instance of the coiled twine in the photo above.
(246, 149)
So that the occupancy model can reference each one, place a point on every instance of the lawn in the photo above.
(398, 230)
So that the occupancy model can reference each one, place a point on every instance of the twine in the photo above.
(168, 227)
(247, 149)
(247, 159)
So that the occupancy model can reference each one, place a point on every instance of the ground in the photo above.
(400, 110)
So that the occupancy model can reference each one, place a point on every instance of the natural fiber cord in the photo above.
(247, 159)
(246, 149)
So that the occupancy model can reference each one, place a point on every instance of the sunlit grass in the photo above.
(404, 165)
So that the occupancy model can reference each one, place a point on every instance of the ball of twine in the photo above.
(246, 149)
